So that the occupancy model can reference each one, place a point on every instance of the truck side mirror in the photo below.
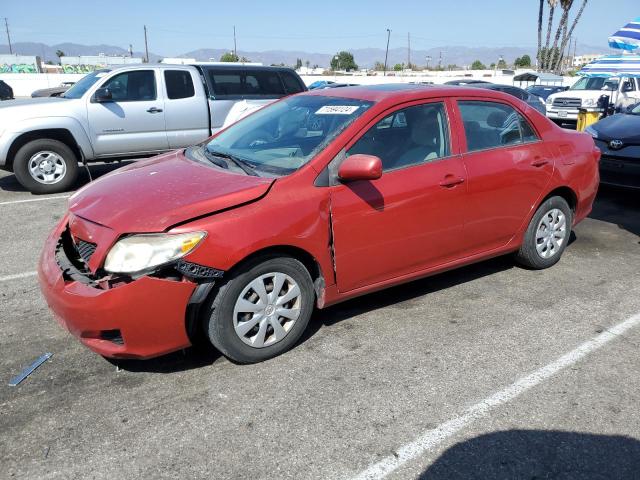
(103, 95)
(627, 87)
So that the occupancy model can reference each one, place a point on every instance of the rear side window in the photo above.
(236, 84)
(291, 83)
(179, 84)
(492, 125)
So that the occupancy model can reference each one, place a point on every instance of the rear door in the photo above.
(409, 219)
(134, 121)
(508, 168)
(186, 110)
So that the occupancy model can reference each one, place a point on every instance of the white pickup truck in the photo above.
(564, 106)
(131, 111)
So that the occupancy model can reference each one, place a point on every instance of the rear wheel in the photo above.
(547, 234)
(46, 166)
(262, 310)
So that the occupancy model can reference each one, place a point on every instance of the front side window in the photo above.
(179, 84)
(134, 86)
(492, 125)
(291, 83)
(411, 136)
(282, 137)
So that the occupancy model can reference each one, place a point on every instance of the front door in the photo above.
(508, 168)
(410, 218)
(134, 120)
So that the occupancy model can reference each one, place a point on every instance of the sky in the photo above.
(324, 26)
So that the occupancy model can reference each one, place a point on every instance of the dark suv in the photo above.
(6, 92)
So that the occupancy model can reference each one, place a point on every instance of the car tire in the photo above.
(238, 305)
(547, 235)
(46, 166)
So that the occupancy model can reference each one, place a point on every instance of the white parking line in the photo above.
(17, 276)
(13, 202)
(433, 438)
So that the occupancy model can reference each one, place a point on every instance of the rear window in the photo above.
(179, 84)
(236, 84)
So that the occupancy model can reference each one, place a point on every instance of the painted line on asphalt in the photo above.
(13, 202)
(18, 276)
(432, 438)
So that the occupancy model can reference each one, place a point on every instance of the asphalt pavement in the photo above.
(489, 371)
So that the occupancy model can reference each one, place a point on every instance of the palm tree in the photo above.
(540, 17)
(547, 51)
(567, 34)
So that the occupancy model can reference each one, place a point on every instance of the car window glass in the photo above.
(410, 136)
(137, 85)
(179, 84)
(238, 84)
(491, 125)
(291, 83)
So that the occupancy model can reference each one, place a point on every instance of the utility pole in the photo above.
(408, 50)
(440, 60)
(235, 50)
(6, 26)
(130, 50)
(146, 46)
(386, 54)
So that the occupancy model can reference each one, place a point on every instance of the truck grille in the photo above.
(85, 249)
(567, 102)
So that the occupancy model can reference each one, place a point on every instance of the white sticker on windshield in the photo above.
(337, 110)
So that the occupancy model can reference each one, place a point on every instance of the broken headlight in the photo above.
(139, 253)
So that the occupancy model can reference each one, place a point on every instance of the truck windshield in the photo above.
(284, 136)
(589, 83)
(84, 84)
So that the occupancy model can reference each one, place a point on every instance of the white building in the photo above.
(582, 60)
(89, 63)
(178, 61)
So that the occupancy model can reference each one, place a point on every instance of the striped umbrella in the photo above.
(613, 65)
(627, 38)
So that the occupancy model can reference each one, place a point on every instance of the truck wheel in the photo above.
(46, 166)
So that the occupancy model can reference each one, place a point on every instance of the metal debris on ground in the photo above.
(29, 370)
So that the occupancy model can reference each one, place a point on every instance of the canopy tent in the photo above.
(613, 65)
(627, 38)
(541, 77)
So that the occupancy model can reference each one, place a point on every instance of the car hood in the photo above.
(623, 127)
(155, 194)
(14, 111)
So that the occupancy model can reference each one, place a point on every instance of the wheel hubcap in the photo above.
(266, 309)
(47, 167)
(551, 233)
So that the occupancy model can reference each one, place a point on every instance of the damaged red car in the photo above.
(313, 200)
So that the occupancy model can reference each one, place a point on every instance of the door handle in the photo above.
(539, 162)
(450, 181)
(154, 110)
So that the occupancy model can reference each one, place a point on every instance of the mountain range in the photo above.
(364, 57)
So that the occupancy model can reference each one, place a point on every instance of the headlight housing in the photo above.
(591, 131)
(549, 101)
(589, 102)
(139, 253)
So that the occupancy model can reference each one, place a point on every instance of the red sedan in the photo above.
(310, 201)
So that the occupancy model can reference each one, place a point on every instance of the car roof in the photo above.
(405, 92)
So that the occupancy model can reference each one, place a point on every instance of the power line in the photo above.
(6, 26)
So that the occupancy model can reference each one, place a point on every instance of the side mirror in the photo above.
(627, 87)
(360, 167)
(103, 95)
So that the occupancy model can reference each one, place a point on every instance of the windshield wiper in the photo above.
(215, 159)
(243, 165)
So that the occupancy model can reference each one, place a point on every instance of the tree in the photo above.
(502, 64)
(551, 55)
(60, 53)
(229, 57)
(307, 63)
(343, 61)
(522, 62)
(398, 67)
(378, 66)
(298, 63)
(478, 65)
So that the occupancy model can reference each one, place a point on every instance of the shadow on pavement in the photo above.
(9, 183)
(191, 358)
(539, 454)
(620, 206)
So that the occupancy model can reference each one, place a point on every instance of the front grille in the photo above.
(85, 249)
(564, 102)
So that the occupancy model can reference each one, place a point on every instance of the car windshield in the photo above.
(284, 136)
(589, 83)
(635, 110)
(84, 84)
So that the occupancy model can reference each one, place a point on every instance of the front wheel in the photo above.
(547, 235)
(262, 310)
(46, 166)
